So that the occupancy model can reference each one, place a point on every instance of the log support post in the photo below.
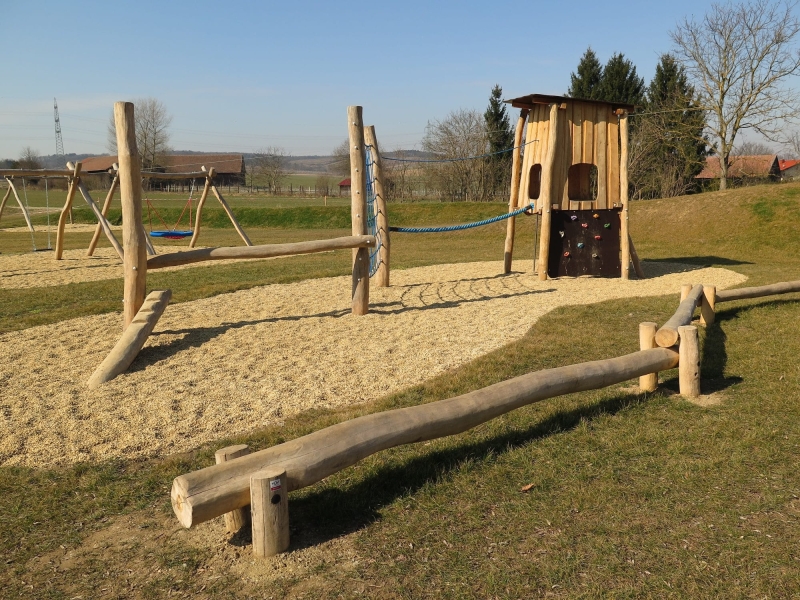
(708, 305)
(513, 200)
(358, 209)
(130, 191)
(5, 198)
(647, 340)
(381, 211)
(106, 206)
(689, 361)
(67, 211)
(548, 195)
(686, 289)
(225, 207)
(239, 517)
(269, 507)
(24, 209)
(624, 234)
(200, 204)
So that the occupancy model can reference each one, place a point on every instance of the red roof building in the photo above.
(763, 166)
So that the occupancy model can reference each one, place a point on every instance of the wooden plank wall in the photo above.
(589, 134)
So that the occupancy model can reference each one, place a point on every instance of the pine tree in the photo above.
(500, 137)
(587, 81)
(620, 82)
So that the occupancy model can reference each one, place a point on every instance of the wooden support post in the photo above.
(130, 191)
(381, 210)
(624, 233)
(62, 218)
(104, 211)
(547, 189)
(21, 205)
(513, 199)
(637, 266)
(647, 340)
(132, 339)
(269, 508)
(686, 289)
(227, 208)
(689, 361)
(358, 209)
(238, 517)
(708, 305)
(200, 204)
(5, 199)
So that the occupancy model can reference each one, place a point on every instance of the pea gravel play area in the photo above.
(232, 363)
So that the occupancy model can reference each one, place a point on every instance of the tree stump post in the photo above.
(708, 308)
(238, 518)
(269, 507)
(689, 361)
(647, 340)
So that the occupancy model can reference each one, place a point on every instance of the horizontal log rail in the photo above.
(216, 490)
(35, 173)
(190, 175)
(667, 335)
(264, 251)
(758, 292)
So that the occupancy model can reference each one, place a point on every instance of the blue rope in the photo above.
(372, 214)
(519, 211)
(447, 160)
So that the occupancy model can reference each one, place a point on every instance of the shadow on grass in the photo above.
(333, 512)
(700, 261)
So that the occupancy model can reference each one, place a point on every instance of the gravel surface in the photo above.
(235, 362)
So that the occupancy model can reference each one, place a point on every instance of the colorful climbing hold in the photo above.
(607, 225)
(561, 233)
(566, 254)
(595, 256)
(596, 216)
(580, 244)
(585, 225)
(598, 237)
(574, 217)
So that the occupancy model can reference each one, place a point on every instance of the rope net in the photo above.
(372, 214)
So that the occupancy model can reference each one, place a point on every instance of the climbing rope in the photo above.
(28, 209)
(372, 214)
(447, 160)
(514, 213)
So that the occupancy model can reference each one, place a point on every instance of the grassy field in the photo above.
(628, 494)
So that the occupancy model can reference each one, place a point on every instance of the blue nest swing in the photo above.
(174, 233)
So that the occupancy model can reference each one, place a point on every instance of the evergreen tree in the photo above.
(620, 82)
(585, 84)
(499, 137)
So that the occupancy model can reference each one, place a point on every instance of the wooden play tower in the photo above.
(572, 166)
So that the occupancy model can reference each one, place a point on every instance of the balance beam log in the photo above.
(213, 491)
(265, 251)
(667, 336)
(759, 292)
(132, 340)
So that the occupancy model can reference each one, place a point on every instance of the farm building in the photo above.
(790, 169)
(760, 168)
(344, 187)
(230, 167)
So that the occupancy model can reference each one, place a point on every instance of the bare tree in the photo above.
(457, 139)
(738, 57)
(269, 165)
(29, 159)
(750, 148)
(340, 164)
(152, 132)
(402, 175)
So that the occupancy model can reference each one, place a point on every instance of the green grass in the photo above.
(632, 495)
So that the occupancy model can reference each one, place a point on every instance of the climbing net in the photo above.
(372, 214)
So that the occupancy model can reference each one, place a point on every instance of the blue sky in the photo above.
(240, 75)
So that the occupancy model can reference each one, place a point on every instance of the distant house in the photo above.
(344, 187)
(744, 169)
(229, 167)
(790, 169)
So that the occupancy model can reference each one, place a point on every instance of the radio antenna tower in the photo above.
(59, 141)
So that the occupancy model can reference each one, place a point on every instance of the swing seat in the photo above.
(172, 234)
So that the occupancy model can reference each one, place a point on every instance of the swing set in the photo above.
(171, 233)
(26, 208)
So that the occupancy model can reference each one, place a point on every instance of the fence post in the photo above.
(689, 361)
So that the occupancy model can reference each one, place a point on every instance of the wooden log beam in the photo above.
(66, 211)
(132, 340)
(5, 199)
(176, 176)
(624, 234)
(547, 196)
(200, 204)
(513, 199)
(236, 519)
(21, 205)
(227, 208)
(265, 251)
(667, 336)
(381, 211)
(637, 266)
(358, 209)
(774, 289)
(215, 490)
(104, 211)
(130, 191)
(35, 173)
